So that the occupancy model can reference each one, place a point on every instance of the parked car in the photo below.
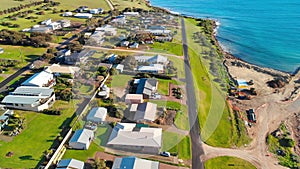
(165, 154)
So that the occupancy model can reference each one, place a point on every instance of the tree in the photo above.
(113, 71)
(75, 46)
(99, 164)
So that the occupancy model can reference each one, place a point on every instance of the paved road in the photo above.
(197, 149)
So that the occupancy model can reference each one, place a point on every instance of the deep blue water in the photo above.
(262, 32)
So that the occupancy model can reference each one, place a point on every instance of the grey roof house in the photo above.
(97, 114)
(81, 139)
(70, 164)
(127, 136)
(147, 87)
(143, 112)
(4, 118)
(30, 98)
(134, 163)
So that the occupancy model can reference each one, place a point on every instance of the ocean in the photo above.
(262, 32)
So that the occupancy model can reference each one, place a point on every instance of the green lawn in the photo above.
(122, 4)
(176, 143)
(167, 47)
(120, 80)
(226, 162)
(163, 86)
(83, 155)
(102, 134)
(182, 120)
(38, 136)
(179, 65)
(216, 121)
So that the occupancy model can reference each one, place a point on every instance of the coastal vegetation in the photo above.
(226, 162)
(217, 121)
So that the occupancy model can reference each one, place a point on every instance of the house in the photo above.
(67, 14)
(119, 68)
(104, 93)
(107, 29)
(163, 38)
(4, 118)
(134, 98)
(134, 45)
(54, 25)
(64, 23)
(44, 29)
(131, 13)
(126, 136)
(75, 57)
(147, 87)
(46, 22)
(97, 114)
(156, 59)
(70, 164)
(134, 163)
(57, 69)
(63, 52)
(153, 68)
(112, 58)
(242, 84)
(1, 50)
(142, 112)
(96, 11)
(83, 15)
(42, 79)
(125, 43)
(107, 65)
(30, 98)
(81, 139)
(121, 19)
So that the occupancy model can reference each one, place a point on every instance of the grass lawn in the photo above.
(86, 89)
(40, 131)
(226, 162)
(163, 86)
(167, 47)
(120, 80)
(122, 4)
(176, 143)
(182, 120)
(216, 120)
(179, 64)
(102, 134)
(83, 155)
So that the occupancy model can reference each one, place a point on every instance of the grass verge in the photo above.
(226, 162)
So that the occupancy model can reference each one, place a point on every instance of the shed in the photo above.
(81, 139)
(97, 114)
(134, 98)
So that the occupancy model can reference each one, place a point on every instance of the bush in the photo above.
(52, 112)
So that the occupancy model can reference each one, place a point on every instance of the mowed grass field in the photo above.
(122, 4)
(226, 162)
(38, 135)
(176, 143)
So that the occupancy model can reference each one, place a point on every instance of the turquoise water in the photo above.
(262, 32)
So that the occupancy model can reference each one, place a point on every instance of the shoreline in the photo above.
(228, 55)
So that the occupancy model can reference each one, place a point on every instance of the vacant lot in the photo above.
(122, 4)
(120, 80)
(226, 162)
(176, 143)
(83, 155)
(38, 135)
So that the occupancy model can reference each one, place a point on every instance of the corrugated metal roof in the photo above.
(38, 79)
(82, 136)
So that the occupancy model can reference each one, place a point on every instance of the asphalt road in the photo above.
(197, 149)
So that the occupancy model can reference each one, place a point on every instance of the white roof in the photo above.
(134, 96)
(55, 68)
(82, 136)
(32, 91)
(70, 164)
(97, 112)
(120, 66)
(38, 79)
(87, 15)
(123, 134)
(154, 67)
(131, 13)
(134, 163)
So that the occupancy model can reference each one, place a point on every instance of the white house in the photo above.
(70, 164)
(66, 14)
(119, 68)
(1, 50)
(54, 25)
(59, 69)
(153, 68)
(81, 139)
(156, 59)
(30, 98)
(134, 98)
(64, 23)
(83, 15)
(127, 136)
(42, 79)
(134, 163)
(131, 13)
(97, 114)
(94, 11)
(46, 22)
(108, 30)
